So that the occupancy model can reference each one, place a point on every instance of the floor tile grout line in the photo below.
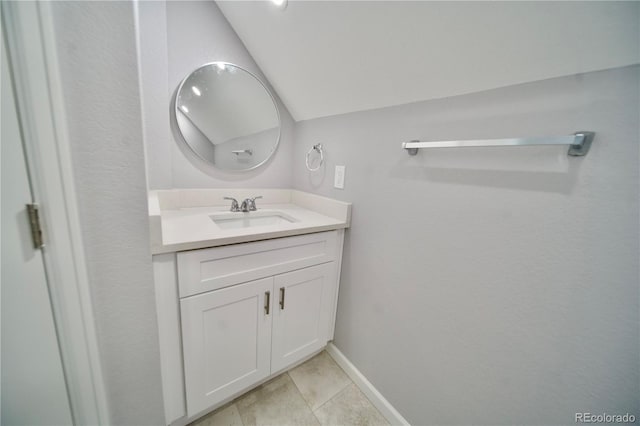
(340, 391)
(273, 379)
(238, 407)
(300, 392)
(317, 418)
(313, 412)
(334, 396)
(362, 394)
(239, 415)
(285, 373)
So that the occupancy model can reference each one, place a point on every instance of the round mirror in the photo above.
(227, 117)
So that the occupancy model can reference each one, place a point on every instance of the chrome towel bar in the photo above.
(579, 143)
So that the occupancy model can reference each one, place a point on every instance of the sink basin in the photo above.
(251, 219)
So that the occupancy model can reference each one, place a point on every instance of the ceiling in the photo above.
(333, 57)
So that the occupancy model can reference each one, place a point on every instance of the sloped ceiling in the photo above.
(333, 57)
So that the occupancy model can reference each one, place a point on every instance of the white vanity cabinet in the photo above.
(232, 316)
(302, 319)
(237, 336)
(226, 337)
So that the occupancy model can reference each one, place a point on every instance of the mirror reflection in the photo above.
(227, 117)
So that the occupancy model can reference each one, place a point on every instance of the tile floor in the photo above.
(317, 392)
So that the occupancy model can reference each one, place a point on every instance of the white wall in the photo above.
(333, 57)
(96, 43)
(177, 37)
(492, 285)
(97, 55)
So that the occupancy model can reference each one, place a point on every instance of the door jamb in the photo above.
(31, 47)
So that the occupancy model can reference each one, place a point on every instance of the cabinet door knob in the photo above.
(267, 302)
(281, 298)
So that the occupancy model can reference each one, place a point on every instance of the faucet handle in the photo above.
(234, 204)
(252, 203)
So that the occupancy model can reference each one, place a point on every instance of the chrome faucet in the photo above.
(234, 204)
(249, 204)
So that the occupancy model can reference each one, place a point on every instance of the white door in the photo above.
(226, 337)
(33, 384)
(302, 317)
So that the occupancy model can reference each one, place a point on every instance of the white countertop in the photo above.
(179, 221)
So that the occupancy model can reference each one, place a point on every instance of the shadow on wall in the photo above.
(315, 177)
(528, 169)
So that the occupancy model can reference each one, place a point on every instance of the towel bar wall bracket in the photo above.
(579, 143)
(581, 149)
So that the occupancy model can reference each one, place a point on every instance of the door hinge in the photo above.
(33, 211)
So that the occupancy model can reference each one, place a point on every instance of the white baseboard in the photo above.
(386, 409)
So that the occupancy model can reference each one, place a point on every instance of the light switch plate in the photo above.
(338, 179)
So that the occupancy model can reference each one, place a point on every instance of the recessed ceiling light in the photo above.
(184, 108)
(195, 90)
(281, 4)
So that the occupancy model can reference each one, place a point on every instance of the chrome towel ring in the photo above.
(318, 148)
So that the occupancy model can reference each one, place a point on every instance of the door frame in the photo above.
(30, 37)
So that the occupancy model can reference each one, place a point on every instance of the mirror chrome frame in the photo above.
(273, 99)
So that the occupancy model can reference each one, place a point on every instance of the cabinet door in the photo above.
(226, 341)
(302, 315)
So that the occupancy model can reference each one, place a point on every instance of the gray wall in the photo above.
(177, 37)
(97, 55)
(491, 285)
